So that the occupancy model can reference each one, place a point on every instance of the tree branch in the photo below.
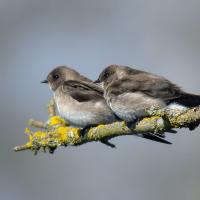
(56, 132)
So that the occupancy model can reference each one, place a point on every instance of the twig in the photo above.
(36, 123)
(51, 108)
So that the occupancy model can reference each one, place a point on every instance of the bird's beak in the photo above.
(45, 81)
(97, 81)
(100, 84)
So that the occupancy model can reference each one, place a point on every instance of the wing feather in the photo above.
(149, 84)
(83, 91)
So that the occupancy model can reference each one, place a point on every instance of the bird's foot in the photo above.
(86, 129)
(133, 123)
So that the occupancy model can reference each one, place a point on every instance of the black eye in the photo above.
(106, 75)
(56, 76)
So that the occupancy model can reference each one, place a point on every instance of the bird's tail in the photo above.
(189, 100)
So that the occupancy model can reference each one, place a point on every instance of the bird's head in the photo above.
(110, 74)
(61, 74)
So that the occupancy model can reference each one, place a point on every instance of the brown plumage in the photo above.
(78, 99)
(82, 104)
(129, 92)
(61, 74)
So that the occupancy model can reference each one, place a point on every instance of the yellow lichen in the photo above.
(100, 126)
(56, 133)
(151, 118)
(30, 137)
(124, 124)
(56, 120)
(175, 122)
(74, 135)
(59, 136)
(40, 137)
(29, 144)
(62, 134)
(91, 132)
(27, 131)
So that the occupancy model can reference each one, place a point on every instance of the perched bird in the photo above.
(82, 104)
(79, 100)
(129, 92)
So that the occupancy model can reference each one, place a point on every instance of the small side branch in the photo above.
(51, 108)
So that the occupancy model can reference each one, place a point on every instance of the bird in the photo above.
(82, 104)
(79, 100)
(130, 92)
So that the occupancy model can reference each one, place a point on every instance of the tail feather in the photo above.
(189, 100)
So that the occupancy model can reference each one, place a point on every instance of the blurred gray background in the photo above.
(158, 36)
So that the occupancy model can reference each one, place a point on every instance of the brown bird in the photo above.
(82, 104)
(79, 100)
(129, 92)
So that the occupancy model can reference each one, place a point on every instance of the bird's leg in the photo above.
(131, 124)
(86, 129)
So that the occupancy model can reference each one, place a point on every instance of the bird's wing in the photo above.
(149, 84)
(83, 91)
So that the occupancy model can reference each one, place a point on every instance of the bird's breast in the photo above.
(67, 106)
(82, 113)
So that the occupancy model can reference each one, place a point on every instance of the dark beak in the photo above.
(97, 81)
(45, 81)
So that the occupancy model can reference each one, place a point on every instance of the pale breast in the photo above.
(67, 107)
(83, 113)
(129, 106)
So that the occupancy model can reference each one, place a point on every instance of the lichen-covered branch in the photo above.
(56, 132)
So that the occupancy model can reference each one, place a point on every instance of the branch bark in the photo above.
(56, 132)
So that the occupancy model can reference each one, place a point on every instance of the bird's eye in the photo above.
(56, 76)
(106, 75)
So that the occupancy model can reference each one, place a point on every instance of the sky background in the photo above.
(158, 36)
